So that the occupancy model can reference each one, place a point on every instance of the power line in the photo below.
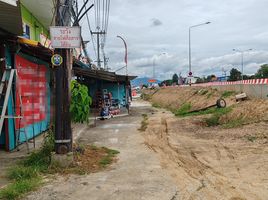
(102, 11)
(92, 38)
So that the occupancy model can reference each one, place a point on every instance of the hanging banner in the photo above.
(31, 86)
(10, 2)
(45, 41)
(65, 37)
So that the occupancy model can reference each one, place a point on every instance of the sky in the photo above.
(156, 31)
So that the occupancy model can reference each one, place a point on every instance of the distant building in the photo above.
(192, 79)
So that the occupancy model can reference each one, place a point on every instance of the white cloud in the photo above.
(235, 24)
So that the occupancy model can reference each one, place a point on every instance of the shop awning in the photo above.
(35, 49)
(123, 78)
(10, 18)
(96, 74)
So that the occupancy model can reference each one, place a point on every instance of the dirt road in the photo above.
(211, 163)
(137, 174)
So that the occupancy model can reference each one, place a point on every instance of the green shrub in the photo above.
(80, 103)
(21, 172)
(214, 120)
(41, 159)
(183, 110)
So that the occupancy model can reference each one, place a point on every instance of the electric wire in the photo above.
(92, 38)
(102, 12)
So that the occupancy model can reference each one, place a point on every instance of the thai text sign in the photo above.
(65, 37)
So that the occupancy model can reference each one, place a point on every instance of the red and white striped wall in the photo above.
(244, 82)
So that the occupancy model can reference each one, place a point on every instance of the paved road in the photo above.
(136, 175)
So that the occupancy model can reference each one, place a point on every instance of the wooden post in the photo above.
(63, 131)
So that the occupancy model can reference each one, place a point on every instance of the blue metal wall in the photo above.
(118, 90)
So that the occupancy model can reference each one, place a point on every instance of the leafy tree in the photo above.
(175, 79)
(211, 77)
(200, 80)
(262, 72)
(144, 86)
(235, 75)
(247, 77)
(166, 82)
(80, 102)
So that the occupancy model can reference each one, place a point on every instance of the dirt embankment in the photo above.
(211, 163)
(173, 98)
(245, 112)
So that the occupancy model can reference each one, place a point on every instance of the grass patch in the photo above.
(156, 105)
(214, 120)
(234, 123)
(203, 92)
(226, 94)
(26, 175)
(21, 172)
(251, 138)
(183, 110)
(209, 95)
(146, 97)
(202, 112)
(19, 188)
(144, 123)
(108, 159)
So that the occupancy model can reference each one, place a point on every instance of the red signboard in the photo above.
(31, 85)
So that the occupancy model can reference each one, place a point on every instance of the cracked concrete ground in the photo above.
(137, 174)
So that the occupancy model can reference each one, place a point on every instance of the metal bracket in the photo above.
(62, 141)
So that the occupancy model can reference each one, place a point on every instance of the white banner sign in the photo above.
(65, 37)
(11, 2)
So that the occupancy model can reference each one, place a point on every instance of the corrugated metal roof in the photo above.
(10, 18)
(99, 74)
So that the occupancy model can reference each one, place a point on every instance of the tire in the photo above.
(221, 103)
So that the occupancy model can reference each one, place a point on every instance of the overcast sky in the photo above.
(154, 27)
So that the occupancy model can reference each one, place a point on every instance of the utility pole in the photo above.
(154, 69)
(242, 60)
(63, 132)
(190, 55)
(98, 33)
